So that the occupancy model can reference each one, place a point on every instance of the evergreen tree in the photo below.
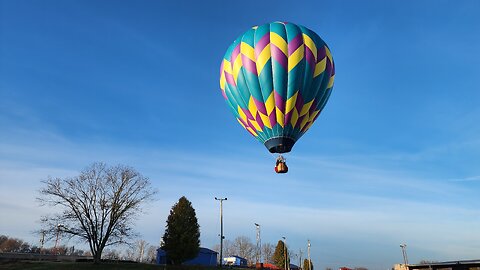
(181, 240)
(279, 255)
(305, 265)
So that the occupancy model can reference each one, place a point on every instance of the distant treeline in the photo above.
(10, 244)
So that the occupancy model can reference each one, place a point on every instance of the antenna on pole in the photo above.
(404, 253)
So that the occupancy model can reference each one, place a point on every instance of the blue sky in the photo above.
(392, 159)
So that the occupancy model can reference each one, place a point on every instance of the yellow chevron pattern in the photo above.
(280, 117)
(310, 44)
(263, 58)
(320, 67)
(294, 118)
(256, 125)
(222, 79)
(329, 54)
(265, 120)
(314, 114)
(227, 66)
(296, 57)
(291, 103)
(330, 83)
(270, 104)
(237, 65)
(245, 119)
(248, 128)
(306, 108)
(242, 115)
(240, 122)
(304, 121)
(278, 41)
(252, 107)
(248, 51)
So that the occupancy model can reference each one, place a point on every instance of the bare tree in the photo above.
(98, 206)
(245, 248)
(293, 256)
(129, 255)
(141, 248)
(151, 255)
(228, 248)
(242, 246)
(267, 251)
(8, 244)
(111, 254)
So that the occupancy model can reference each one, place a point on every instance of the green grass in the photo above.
(35, 265)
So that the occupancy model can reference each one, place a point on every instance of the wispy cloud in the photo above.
(466, 179)
(334, 201)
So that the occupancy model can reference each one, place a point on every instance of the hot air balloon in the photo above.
(276, 78)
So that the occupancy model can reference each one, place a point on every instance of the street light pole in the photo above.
(309, 262)
(258, 254)
(221, 228)
(404, 253)
(300, 254)
(285, 251)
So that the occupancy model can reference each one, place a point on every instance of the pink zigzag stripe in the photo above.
(262, 43)
(249, 65)
(278, 55)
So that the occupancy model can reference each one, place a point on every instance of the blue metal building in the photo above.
(235, 261)
(206, 257)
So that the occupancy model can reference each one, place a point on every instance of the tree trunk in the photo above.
(97, 257)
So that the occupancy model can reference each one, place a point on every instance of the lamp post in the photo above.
(300, 254)
(221, 228)
(404, 253)
(309, 262)
(285, 252)
(259, 244)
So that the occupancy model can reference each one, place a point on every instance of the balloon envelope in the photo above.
(276, 78)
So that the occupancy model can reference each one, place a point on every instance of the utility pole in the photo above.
(300, 254)
(309, 262)
(285, 252)
(221, 228)
(404, 253)
(258, 254)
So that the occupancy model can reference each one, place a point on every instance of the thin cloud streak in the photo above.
(466, 179)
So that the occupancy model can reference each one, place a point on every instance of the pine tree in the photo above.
(279, 255)
(181, 240)
(305, 265)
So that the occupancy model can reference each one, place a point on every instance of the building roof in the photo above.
(207, 250)
(449, 264)
(202, 250)
(238, 257)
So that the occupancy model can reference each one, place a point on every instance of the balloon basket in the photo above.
(281, 165)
